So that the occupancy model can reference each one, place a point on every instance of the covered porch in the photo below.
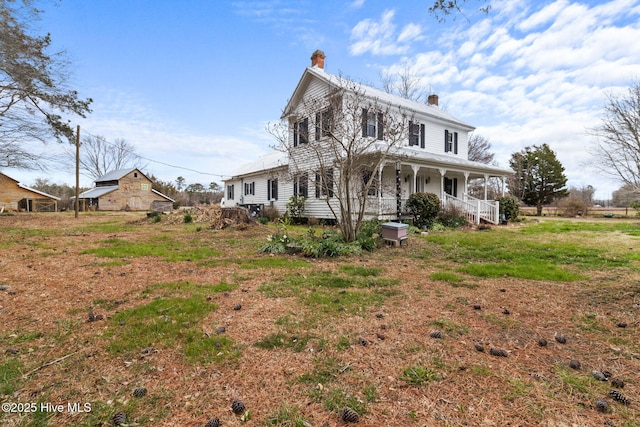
(398, 179)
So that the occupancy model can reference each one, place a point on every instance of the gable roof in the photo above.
(272, 160)
(311, 73)
(117, 174)
(33, 190)
(96, 192)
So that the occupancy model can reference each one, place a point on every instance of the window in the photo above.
(301, 185)
(324, 123)
(272, 189)
(144, 187)
(416, 134)
(373, 189)
(301, 132)
(372, 124)
(249, 188)
(229, 192)
(324, 184)
(450, 142)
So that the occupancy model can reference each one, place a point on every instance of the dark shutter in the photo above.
(446, 141)
(422, 136)
(295, 134)
(380, 126)
(268, 189)
(455, 143)
(274, 191)
(411, 133)
(295, 186)
(364, 122)
(303, 185)
(317, 185)
(329, 182)
(304, 133)
(455, 187)
(318, 118)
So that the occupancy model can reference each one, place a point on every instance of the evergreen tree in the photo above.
(539, 176)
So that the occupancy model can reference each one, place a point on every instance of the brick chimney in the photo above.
(317, 59)
(432, 100)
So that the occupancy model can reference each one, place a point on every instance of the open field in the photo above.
(200, 318)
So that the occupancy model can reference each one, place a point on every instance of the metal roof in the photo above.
(94, 193)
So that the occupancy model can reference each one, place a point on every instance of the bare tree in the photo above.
(343, 137)
(479, 149)
(99, 156)
(34, 93)
(616, 151)
(441, 9)
(406, 84)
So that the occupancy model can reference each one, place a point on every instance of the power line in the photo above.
(155, 161)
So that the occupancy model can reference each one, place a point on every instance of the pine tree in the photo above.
(539, 176)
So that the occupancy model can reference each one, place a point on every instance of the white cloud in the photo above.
(526, 77)
(379, 37)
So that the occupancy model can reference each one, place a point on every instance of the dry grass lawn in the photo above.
(302, 338)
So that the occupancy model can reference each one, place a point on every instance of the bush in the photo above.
(188, 219)
(452, 217)
(424, 207)
(509, 207)
(271, 213)
(295, 209)
(573, 207)
(369, 235)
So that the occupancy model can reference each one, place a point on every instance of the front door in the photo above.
(451, 186)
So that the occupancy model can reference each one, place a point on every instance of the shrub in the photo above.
(452, 217)
(187, 219)
(369, 235)
(271, 213)
(573, 207)
(509, 207)
(295, 209)
(424, 207)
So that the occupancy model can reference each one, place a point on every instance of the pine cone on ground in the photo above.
(119, 418)
(237, 407)
(619, 397)
(617, 382)
(436, 334)
(479, 347)
(574, 364)
(213, 422)
(602, 405)
(498, 352)
(139, 392)
(542, 342)
(350, 416)
(598, 375)
(561, 339)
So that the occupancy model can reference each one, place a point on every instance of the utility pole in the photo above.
(77, 172)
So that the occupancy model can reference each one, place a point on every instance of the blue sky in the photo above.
(194, 84)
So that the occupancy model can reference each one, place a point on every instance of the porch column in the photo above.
(398, 190)
(503, 180)
(442, 174)
(466, 185)
(486, 179)
(379, 183)
(415, 170)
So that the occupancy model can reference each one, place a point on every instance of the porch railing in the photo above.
(474, 209)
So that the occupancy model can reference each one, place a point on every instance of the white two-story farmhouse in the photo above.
(343, 135)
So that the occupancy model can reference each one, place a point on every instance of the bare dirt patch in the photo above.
(379, 355)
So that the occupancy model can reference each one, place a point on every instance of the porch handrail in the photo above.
(489, 210)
